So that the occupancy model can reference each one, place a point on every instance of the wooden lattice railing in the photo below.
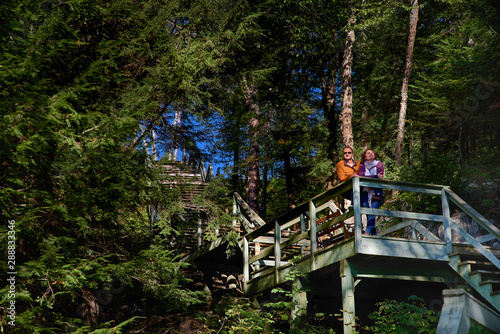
(269, 247)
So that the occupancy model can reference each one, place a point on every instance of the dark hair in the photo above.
(363, 156)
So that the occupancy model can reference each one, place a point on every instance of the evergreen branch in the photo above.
(91, 129)
(150, 126)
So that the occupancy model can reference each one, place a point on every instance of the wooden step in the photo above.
(494, 285)
(478, 264)
(486, 273)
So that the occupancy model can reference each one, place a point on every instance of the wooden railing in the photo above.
(200, 167)
(271, 246)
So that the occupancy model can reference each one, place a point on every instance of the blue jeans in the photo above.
(370, 219)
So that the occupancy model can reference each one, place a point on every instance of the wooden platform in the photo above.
(268, 253)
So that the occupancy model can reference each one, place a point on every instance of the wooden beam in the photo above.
(400, 185)
(277, 251)
(402, 214)
(253, 216)
(312, 232)
(348, 306)
(394, 228)
(453, 319)
(246, 264)
(323, 258)
(445, 203)
(459, 308)
(485, 252)
(356, 202)
(418, 278)
(485, 223)
(300, 302)
(396, 247)
(425, 232)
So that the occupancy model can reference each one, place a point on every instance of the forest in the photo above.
(95, 92)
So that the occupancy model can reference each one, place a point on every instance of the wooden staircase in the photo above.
(190, 182)
(348, 256)
(482, 275)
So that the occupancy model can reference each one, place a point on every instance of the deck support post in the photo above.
(356, 203)
(459, 308)
(453, 319)
(445, 203)
(235, 211)
(312, 233)
(277, 252)
(348, 307)
(300, 301)
(246, 265)
(199, 233)
(302, 230)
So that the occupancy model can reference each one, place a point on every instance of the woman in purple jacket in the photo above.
(371, 197)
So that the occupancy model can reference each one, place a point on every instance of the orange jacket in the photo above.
(344, 171)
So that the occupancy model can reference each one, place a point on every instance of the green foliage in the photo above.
(479, 186)
(285, 311)
(410, 317)
(107, 328)
(158, 276)
(233, 316)
(81, 80)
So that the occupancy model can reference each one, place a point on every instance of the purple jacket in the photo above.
(363, 171)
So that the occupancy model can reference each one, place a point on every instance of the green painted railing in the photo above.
(271, 246)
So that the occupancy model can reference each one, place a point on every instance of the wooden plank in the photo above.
(401, 214)
(268, 251)
(272, 263)
(418, 278)
(246, 263)
(348, 306)
(277, 250)
(400, 185)
(356, 202)
(318, 201)
(395, 247)
(425, 232)
(394, 228)
(485, 223)
(253, 216)
(486, 253)
(446, 220)
(334, 221)
(247, 226)
(454, 318)
(485, 238)
(460, 306)
(482, 314)
(312, 231)
(323, 258)
(295, 239)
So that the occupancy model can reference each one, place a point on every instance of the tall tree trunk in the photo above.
(177, 126)
(235, 171)
(155, 153)
(406, 79)
(263, 205)
(254, 153)
(289, 180)
(329, 90)
(346, 114)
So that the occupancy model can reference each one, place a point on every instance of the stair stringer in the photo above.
(474, 280)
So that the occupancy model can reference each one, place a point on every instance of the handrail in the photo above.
(307, 214)
(243, 210)
(206, 173)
